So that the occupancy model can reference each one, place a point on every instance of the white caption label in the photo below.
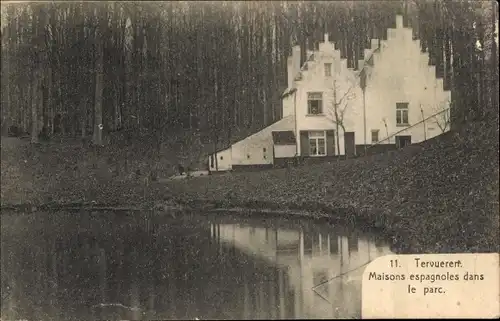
(432, 286)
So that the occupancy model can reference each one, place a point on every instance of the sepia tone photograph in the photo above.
(235, 160)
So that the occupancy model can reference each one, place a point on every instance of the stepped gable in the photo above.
(371, 55)
(377, 48)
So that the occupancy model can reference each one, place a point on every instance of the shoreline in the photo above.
(399, 240)
(400, 235)
(440, 196)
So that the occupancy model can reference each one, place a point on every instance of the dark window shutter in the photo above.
(304, 143)
(330, 142)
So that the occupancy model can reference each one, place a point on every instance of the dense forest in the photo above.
(213, 69)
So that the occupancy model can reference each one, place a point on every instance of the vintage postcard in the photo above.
(196, 160)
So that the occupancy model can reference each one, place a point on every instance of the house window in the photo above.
(248, 156)
(264, 152)
(315, 103)
(221, 158)
(402, 114)
(375, 135)
(328, 70)
(317, 143)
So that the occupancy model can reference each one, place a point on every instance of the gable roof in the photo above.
(283, 124)
(290, 90)
(219, 150)
(360, 73)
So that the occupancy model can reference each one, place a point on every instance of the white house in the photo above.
(392, 100)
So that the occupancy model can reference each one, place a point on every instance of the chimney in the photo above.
(326, 45)
(399, 22)
(295, 61)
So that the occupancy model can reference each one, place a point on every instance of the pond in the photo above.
(142, 265)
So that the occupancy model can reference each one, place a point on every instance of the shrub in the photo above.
(14, 131)
(44, 134)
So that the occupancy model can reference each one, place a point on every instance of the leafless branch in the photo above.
(344, 96)
(442, 120)
(339, 113)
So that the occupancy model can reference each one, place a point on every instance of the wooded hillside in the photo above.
(215, 69)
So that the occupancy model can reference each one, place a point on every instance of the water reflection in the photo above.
(308, 259)
(144, 266)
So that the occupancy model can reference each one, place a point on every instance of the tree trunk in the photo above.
(215, 123)
(97, 138)
(34, 106)
(341, 125)
(338, 137)
(49, 116)
(83, 116)
(335, 106)
(60, 107)
(491, 57)
(7, 110)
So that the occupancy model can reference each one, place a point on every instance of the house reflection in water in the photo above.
(133, 267)
(304, 260)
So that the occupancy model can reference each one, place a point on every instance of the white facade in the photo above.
(283, 151)
(315, 80)
(401, 73)
(288, 106)
(400, 98)
(224, 160)
(256, 149)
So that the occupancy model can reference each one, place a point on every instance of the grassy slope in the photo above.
(71, 171)
(440, 196)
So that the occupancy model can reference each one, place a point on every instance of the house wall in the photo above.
(254, 150)
(224, 160)
(401, 74)
(250, 151)
(288, 105)
(314, 80)
(419, 132)
(282, 151)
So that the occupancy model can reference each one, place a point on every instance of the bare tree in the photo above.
(442, 119)
(38, 56)
(339, 106)
(98, 126)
